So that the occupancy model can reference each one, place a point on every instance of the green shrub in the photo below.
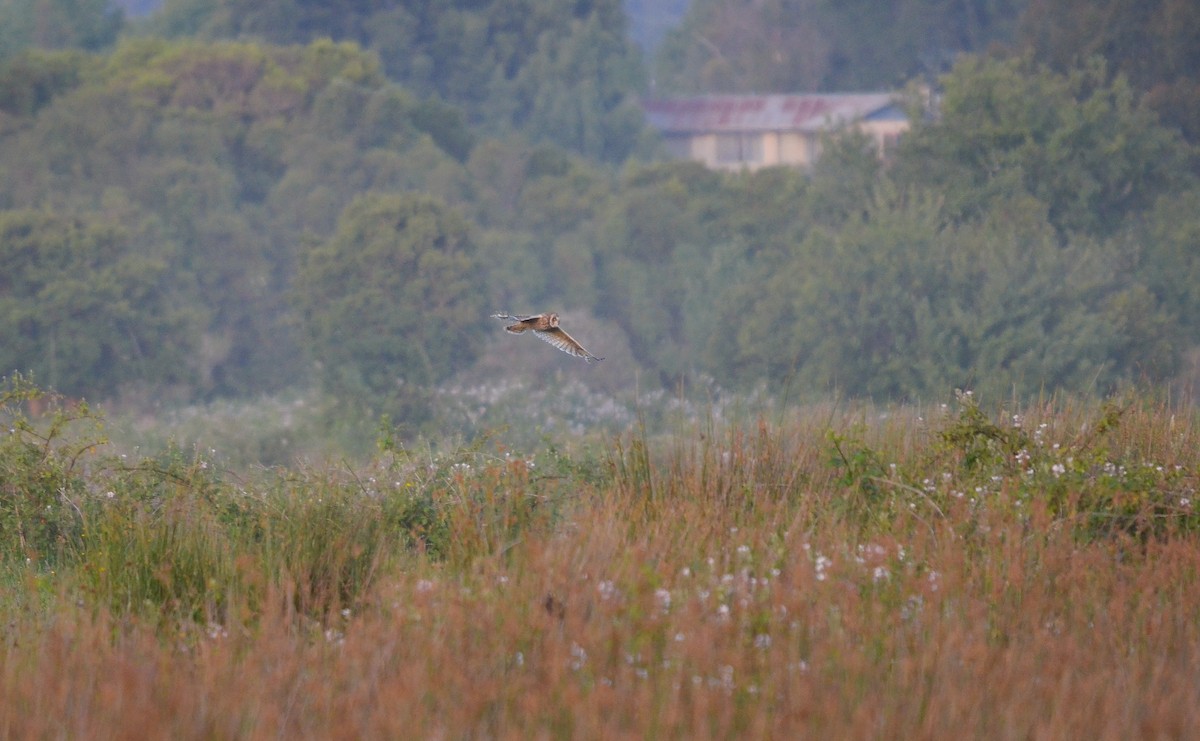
(43, 495)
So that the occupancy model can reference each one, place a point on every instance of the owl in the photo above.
(545, 327)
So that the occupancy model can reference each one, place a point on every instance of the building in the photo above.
(751, 131)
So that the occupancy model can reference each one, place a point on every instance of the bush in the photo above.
(43, 494)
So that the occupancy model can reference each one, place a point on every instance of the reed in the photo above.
(830, 571)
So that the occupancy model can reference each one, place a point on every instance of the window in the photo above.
(734, 149)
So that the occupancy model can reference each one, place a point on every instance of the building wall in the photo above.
(797, 148)
(751, 151)
(727, 151)
(886, 133)
(745, 151)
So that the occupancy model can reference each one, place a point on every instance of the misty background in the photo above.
(210, 201)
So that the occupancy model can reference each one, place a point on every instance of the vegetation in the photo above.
(847, 569)
(1066, 34)
(93, 303)
(817, 45)
(511, 63)
(328, 503)
(218, 211)
(58, 24)
(388, 304)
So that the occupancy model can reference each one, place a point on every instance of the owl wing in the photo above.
(524, 321)
(565, 342)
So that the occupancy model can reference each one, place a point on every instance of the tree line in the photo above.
(207, 217)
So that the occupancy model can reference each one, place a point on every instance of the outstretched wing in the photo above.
(565, 342)
(545, 327)
(524, 321)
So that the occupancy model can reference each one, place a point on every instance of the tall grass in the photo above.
(830, 571)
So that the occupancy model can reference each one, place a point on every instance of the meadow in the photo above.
(969, 569)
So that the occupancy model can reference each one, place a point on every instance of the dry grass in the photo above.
(823, 575)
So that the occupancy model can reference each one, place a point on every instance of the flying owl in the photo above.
(545, 327)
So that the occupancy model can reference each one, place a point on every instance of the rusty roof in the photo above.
(800, 112)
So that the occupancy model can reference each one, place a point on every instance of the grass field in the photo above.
(817, 572)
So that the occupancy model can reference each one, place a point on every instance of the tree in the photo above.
(651, 241)
(560, 70)
(30, 80)
(729, 46)
(393, 302)
(1066, 34)
(1082, 146)
(901, 302)
(824, 45)
(241, 154)
(650, 20)
(91, 306)
(58, 24)
(1167, 247)
(578, 90)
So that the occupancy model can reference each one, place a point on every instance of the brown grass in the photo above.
(716, 586)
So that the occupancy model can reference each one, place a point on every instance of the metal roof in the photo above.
(742, 113)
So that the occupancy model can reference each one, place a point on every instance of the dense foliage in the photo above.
(565, 71)
(1068, 33)
(94, 303)
(213, 218)
(397, 288)
(821, 45)
(57, 24)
